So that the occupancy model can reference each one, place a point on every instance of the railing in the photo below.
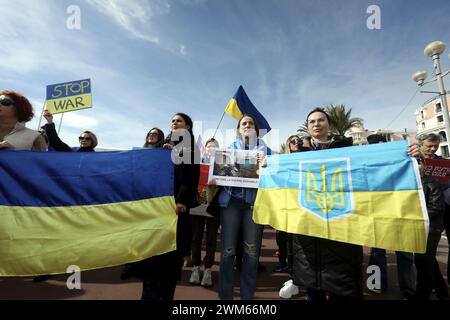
(432, 99)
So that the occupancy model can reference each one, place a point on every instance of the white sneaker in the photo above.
(207, 278)
(195, 275)
(289, 290)
(288, 282)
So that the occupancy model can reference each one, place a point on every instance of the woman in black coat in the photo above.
(165, 270)
(326, 267)
(329, 269)
(87, 139)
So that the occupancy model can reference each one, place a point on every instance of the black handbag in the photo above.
(195, 202)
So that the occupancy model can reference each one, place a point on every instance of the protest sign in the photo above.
(235, 168)
(437, 169)
(69, 96)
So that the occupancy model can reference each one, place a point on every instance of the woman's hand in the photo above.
(48, 116)
(261, 160)
(414, 150)
(6, 145)
(167, 146)
(212, 183)
(181, 208)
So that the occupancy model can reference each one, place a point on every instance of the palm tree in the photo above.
(341, 120)
(282, 147)
(303, 130)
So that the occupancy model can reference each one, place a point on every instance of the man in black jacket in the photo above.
(429, 144)
(426, 262)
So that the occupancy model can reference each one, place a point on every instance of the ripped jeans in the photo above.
(237, 217)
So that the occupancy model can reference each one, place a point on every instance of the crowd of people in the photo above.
(327, 269)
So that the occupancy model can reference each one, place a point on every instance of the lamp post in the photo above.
(434, 50)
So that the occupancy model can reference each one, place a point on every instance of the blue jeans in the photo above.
(238, 216)
(405, 269)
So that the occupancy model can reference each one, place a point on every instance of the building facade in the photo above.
(359, 135)
(430, 119)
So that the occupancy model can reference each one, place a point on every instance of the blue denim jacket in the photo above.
(248, 195)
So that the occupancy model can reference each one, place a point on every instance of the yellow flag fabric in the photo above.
(233, 110)
(370, 196)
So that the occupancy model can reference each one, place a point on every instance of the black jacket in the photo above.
(55, 143)
(185, 191)
(434, 199)
(324, 264)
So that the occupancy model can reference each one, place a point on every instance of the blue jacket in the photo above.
(248, 195)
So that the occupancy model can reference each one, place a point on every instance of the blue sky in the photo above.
(150, 59)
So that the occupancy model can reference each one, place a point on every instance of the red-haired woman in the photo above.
(15, 111)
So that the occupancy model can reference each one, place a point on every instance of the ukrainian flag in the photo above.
(88, 209)
(368, 195)
(240, 104)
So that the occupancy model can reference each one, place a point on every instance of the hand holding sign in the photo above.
(48, 116)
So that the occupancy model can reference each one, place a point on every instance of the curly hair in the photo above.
(22, 106)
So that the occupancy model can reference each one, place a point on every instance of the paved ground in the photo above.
(105, 284)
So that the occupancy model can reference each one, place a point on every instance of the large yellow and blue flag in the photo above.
(369, 195)
(240, 104)
(88, 209)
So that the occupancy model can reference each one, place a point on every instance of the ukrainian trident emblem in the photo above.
(326, 188)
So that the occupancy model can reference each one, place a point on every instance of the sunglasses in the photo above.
(153, 134)
(6, 102)
(84, 138)
(294, 142)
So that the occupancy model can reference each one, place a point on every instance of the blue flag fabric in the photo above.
(240, 104)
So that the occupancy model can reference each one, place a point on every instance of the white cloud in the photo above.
(193, 2)
(36, 43)
(183, 50)
(133, 16)
(20, 55)
(77, 121)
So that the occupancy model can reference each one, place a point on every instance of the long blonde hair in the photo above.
(287, 148)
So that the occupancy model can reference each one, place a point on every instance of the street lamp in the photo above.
(434, 50)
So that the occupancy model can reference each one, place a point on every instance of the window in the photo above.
(423, 125)
(438, 107)
(421, 114)
(440, 118)
(443, 136)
